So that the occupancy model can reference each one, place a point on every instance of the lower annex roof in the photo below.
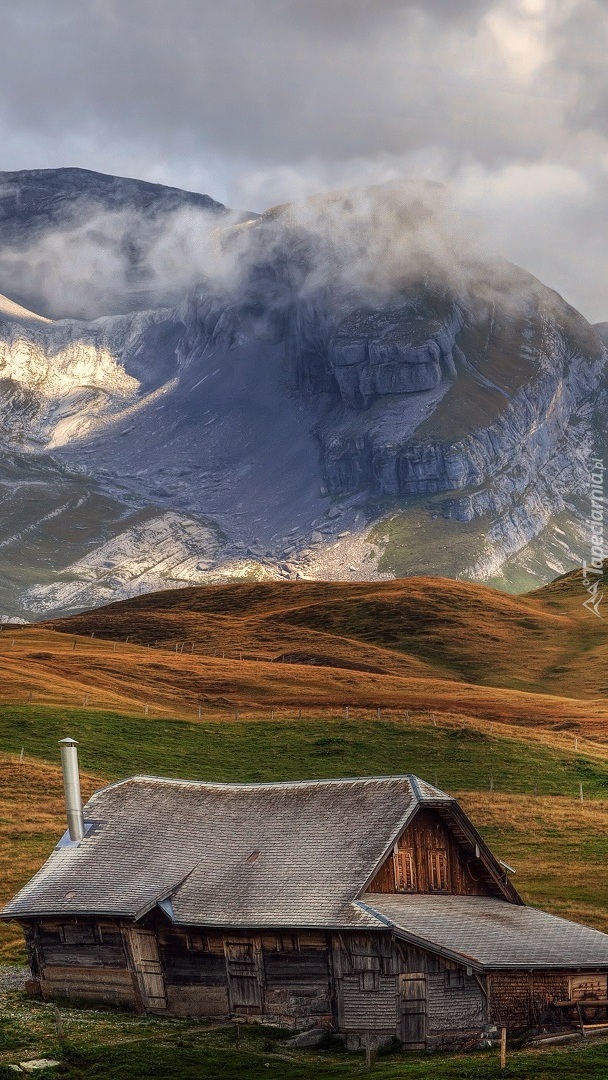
(490, 933)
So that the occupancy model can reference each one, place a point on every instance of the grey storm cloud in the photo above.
(260, 101)
(267, 78)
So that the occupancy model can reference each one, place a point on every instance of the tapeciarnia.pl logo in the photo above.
(593, 571)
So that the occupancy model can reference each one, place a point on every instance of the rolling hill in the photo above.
(433, 628)
(417, 643)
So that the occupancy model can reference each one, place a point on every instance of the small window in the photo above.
(197, 942)
(454, 980)
(438, 871)
(109, 937)
(287, 943)
(75, 934)
(369, 980)
(404, 871)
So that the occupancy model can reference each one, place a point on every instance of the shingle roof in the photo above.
(491, 933)
(318, 843)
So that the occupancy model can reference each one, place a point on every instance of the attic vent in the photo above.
(253, 858)
(70, 894)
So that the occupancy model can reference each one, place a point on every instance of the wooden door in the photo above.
(413, 1010)
(144, 948)
(244, 968)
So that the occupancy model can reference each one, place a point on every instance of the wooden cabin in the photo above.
(367, 906)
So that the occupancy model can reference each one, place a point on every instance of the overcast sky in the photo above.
(261, 101)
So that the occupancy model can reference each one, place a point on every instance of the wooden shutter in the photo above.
(438, 871)
(404, 871)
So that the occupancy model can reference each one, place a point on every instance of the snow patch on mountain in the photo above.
(12, 310)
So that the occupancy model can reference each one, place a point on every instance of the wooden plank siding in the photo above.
(456, 1004)
(112, 986)
(428, 858)
(357, 982)
(524, 999)
(83, 944)
(282, 977)
(385, 986)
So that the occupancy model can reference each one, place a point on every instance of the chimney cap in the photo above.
(68, 742)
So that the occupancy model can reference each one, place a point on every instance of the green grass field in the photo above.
(456, 758)
(107, 1045)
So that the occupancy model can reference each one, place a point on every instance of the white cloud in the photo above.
(261, 101)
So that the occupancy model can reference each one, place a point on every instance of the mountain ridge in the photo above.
(332, 400)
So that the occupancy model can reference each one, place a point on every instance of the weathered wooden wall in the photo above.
(389, 988)
(194, 967)
(456, 1004)
(82, 959)
(297, 978)
(284, 978)
(358, 983)
(427, 834)
(523, 999)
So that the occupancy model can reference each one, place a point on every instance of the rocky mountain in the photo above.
(81, 244)
(346, 389)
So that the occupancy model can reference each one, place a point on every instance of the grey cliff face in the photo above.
(429, 390)
(341, 395)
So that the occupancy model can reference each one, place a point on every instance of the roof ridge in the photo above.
(244, 785)
(415, 781)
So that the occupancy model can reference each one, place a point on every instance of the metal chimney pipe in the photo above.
(71, 786)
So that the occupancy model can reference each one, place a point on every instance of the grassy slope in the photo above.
(114, 1046)
(106, 1045)
(414, 626)
(52, 668)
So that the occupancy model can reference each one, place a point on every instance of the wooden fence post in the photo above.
(503, 1047)
(58, 1023)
